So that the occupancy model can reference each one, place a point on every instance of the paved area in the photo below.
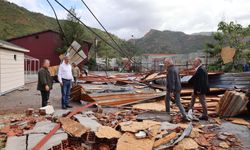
(26, 97)
(242, 132)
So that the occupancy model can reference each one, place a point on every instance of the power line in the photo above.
(129, 57)
(88, 27)
(120, 51)
(60, 28)
(102, 26)
(62, 32)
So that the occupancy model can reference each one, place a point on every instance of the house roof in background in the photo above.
(49, 30)
(10, 46)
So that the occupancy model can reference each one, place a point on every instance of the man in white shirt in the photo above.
(65, 78)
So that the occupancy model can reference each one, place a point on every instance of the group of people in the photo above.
(67, 76)
(199, 82)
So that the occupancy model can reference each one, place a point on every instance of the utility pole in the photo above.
(95, 47)
(106, 59)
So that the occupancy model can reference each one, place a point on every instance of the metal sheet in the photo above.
(75, 53)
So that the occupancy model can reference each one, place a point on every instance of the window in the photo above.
(15, 57)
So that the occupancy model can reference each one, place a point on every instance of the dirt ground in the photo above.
(28, 97)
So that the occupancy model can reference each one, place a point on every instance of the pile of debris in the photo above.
(128, 113)
(121, 129)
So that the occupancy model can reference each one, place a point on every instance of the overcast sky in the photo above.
(136, 17)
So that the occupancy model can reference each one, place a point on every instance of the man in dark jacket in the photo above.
(200, 87)
(173, 87)
(44, 82)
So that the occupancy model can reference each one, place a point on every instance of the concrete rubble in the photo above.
(88, 122)
(125, 119)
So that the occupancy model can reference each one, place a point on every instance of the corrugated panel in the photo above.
(226, 80)
(230, 80)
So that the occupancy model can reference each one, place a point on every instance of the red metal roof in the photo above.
(43, 45)
(32, 34)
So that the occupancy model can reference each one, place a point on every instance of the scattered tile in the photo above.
(201, 140)
(49, 110)
(16, 142)
(56, 139)
(137, 126)
(72, 127)
(88, 122)
(223, 145)
(42, 127)
(29, 111)
(128, 141)
(186, 144)
(107, 132)
(168, 126)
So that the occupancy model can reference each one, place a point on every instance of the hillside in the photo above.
(156, 41)
(17, 21)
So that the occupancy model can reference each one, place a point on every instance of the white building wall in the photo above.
(11, 70)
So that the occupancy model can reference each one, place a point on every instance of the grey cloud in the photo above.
(127, 17)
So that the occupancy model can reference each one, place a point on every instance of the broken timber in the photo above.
(53, 131)
(122, 99)
(231, 104)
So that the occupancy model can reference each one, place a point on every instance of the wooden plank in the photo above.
(165, 139)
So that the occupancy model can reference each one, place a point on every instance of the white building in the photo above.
(183, 61)
(112, 63)
(11, 67)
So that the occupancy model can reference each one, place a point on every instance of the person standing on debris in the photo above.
(76, 72)
(200, 87)
(44, 84)
(173, 87)
(65, 78)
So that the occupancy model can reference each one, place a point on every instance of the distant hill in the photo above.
(203, 33)
(17, 21)
(156, 41)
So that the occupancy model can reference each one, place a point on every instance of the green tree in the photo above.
(72, 31)
(233, 35)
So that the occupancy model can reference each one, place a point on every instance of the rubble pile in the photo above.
(120, 129)
(113, 119)
(127, 116)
